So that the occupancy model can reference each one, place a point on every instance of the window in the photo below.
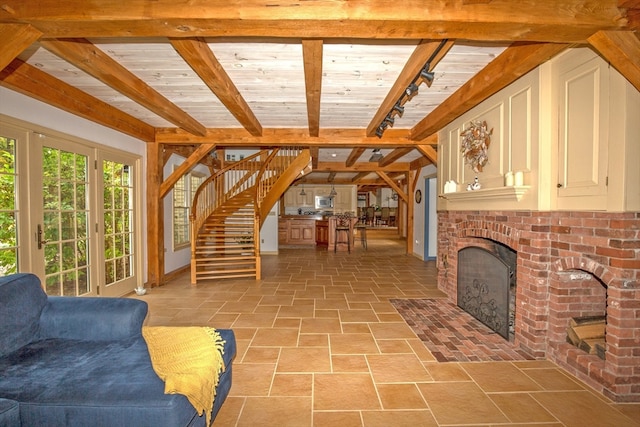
(183, 192)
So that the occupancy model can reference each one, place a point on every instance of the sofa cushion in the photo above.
(9, 413)
(68, 382)
(77, 383)
(20, 318)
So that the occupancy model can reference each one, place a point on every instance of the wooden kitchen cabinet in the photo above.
(322, 233)
(297, 231)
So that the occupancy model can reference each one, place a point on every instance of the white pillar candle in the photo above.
(508, 177)
(519, 179)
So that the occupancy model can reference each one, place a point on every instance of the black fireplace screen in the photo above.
(483, 288)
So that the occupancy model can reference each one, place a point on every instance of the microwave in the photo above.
(324, 202)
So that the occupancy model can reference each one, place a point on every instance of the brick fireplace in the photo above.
(569, 264)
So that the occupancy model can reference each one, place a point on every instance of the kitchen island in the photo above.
(297, 229)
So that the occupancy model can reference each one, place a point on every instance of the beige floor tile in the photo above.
(390, 317)
(394, 346)
(421, 350)
(398, 419)
(521, 407)
(296, 311)
(230, 412)
(582, 408)
(276, 411)
(254, 320)
(304, 360)
(261, 355)
(287, 323)
(291, 385)
(460, 403)
(325, 326)
(499, 377)
(277, 300)
(350, 363)
(327, 314)
(553, 379)
(252, 379)
(391, 368)
(447, 372)
(400, 396)
(385, 331)
(268, 337)
(238, 307)
(631, 410)
(337, 419)
(313, 340)
(358, 316)
(356, 328)
(353, 344)
(344, 392)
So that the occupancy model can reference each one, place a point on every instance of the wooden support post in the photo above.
(411, 186)
(155, 217)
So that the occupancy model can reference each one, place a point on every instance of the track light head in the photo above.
(427, 76)
(411, 90)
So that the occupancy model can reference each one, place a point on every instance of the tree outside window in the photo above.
(8, 210)
(183, 192)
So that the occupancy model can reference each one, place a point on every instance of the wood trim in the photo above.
(30, 81)
(89, 58)
(312, 57)
(201, 59)
(512, 64)
(622, 50)
(15, 38)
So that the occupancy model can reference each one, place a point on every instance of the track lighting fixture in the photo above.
(426, 76)
(376, 156)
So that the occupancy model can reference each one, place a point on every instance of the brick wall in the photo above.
(569, 264)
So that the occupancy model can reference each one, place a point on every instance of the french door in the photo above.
(70, 214)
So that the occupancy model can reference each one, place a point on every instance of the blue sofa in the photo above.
(68, 361)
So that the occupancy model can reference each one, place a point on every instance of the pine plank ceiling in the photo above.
(322, 74)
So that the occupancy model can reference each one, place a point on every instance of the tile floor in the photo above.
(319, 344)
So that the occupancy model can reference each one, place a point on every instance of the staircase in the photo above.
(229, 209)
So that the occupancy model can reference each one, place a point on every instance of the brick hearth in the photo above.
(569, 264)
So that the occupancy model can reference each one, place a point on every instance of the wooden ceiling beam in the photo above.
(412, 68)
(314, 152)
(195, 157)
(277, 137)
(312, 57)
(622, 50)
(513, 63)
(429, 152)
(196, 53)
(30, 81)
(559, 21)
(361, 167)
(395, 187)
(15, 38)
(394, 155)
(359, 177)
(89, 58)
(354, 156)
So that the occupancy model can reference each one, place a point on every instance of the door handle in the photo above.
(41, 241)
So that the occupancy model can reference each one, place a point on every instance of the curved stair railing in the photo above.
(230, 207)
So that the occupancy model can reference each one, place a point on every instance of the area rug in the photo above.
(453, 335)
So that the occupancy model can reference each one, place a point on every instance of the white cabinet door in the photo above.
(583, 129)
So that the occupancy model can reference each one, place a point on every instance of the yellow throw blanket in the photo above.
(189, 361)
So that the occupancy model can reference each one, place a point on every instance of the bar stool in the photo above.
(362, 232)
(343, 224)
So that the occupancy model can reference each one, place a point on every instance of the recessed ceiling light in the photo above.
(334, 155)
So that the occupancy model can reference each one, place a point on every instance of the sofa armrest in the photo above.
(92, 318)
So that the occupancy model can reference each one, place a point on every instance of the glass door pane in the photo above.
(63, 234)
(118, 226)
(8, 207)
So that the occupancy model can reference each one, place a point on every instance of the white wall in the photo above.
(269, 232)
(420, 248)
(16, 105)
(174, 259)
